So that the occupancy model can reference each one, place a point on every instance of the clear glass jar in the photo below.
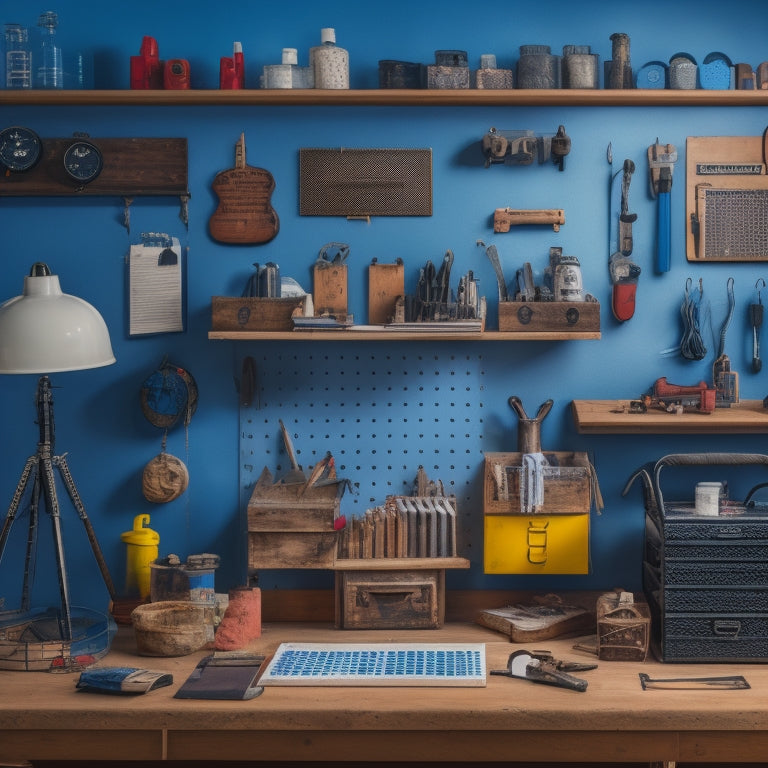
(18, 57)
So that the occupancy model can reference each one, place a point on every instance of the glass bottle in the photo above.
(329, 62)
(18, 57)
(50, 73)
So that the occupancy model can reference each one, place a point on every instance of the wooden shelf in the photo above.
(389, 97)
(379, 335)
(600, 417)
(398, 563)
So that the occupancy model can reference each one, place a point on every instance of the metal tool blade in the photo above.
(729, 682)
(493, 256)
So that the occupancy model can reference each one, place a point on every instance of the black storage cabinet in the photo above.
(706, 577)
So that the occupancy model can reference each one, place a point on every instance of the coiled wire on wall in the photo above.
(693, 311)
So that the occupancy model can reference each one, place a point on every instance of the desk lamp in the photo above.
(46, 331)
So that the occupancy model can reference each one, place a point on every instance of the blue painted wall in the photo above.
(373, 406)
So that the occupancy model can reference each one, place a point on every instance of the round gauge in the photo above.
(20, 148)
(83, 161)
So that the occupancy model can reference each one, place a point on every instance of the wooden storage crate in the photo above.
(390, 599)
(567, 483)
(229, 313)
(623, 627)
(292, 525)
(561, 316)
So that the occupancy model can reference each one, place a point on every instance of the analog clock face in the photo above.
(20, 148)
(83, 161)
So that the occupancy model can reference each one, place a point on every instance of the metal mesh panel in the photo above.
(365, 182)
(735, 224)
(716, 600)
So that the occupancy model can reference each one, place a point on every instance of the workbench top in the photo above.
(42, 714)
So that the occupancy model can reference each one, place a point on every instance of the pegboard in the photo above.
(381, 414)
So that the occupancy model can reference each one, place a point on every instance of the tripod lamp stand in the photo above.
(46, 331)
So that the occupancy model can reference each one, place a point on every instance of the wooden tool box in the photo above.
(291, 525)
(406, 598)
(247, 313)
(564, 316)
(552, 541)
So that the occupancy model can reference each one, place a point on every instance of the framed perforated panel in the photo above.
(381, 415)
(365, 182)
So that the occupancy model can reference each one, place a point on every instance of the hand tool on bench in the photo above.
(726, 683)
(540, 667)
(661, 164)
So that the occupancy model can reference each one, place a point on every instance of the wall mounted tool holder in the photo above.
(132, 166)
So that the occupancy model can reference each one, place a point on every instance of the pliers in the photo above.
(542, 667)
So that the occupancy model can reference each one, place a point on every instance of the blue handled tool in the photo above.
(661, 163)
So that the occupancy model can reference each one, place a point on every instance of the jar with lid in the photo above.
(329, 62)
(18, 57)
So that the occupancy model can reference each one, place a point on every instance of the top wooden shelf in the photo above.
(388, 97)
(612, 417)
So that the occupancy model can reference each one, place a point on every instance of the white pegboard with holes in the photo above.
(381, 416)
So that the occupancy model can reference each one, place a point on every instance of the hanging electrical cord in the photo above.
(692, 345)
(731, 307)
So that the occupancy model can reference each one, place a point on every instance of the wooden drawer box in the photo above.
(291, 526)
(407, 599)
(230, 313)
(563, 316)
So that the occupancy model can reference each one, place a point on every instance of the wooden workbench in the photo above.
(43, 717)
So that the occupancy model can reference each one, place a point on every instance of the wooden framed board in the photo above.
(726, 199)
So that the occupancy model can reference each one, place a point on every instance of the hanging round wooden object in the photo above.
(164, 479)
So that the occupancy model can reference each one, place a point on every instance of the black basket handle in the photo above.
(701, 459)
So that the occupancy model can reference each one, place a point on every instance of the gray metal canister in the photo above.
(580, 67)
(537, 67)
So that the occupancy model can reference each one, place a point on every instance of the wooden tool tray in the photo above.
(564, 316)
(567, 483)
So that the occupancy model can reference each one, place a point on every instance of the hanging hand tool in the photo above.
(756, 321)
(661, 164)
(626, 219)
(623, 271)
(493, 256)
(540, 667)
(725, 381)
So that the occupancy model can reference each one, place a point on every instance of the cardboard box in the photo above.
(560, 316)
(229, 313)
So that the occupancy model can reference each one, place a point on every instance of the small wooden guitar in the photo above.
(244, 214)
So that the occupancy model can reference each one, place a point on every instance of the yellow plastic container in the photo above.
(142, 549)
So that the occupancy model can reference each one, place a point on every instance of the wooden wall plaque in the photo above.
(132, 166)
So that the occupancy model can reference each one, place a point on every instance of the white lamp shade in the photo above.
(46, 331)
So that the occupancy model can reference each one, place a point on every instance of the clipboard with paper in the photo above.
(155, 285)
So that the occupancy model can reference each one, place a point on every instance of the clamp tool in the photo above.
(541, 667)
(661, 164)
